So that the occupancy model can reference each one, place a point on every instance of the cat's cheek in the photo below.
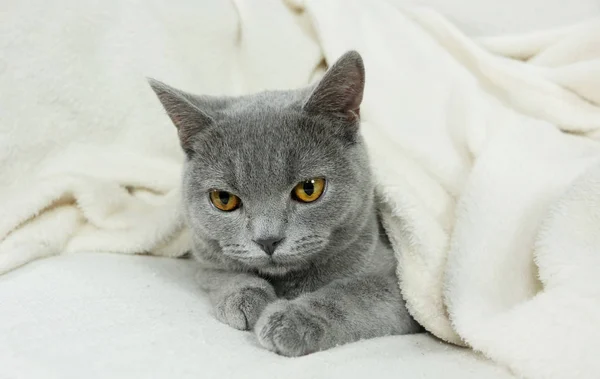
(216, 224)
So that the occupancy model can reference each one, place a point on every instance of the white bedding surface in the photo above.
(101, 315)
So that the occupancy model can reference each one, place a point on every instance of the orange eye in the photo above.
(309, 190)
(225, 201)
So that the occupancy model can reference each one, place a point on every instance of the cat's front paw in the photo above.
(242, 309)
(288, 328)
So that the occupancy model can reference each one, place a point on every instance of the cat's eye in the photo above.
(309, 190)
(225, 201)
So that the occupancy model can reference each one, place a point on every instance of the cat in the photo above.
(279, 197)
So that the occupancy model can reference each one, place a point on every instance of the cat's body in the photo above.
(278, 195)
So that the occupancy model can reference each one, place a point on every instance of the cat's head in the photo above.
(275, 178)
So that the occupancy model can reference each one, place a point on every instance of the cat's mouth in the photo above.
(298, 254)
(281, 266)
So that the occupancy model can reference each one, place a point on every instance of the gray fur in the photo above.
(332, 278)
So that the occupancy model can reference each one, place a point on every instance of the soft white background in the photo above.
(97, 316)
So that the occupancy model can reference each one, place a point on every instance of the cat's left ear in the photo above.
(189, 119)
(340, 91)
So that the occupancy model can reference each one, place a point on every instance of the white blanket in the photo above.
(493, 210)
(88, 159)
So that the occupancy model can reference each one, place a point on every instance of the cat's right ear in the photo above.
(340, 91)
(187, 117)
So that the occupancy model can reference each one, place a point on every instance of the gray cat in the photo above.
(278, 195)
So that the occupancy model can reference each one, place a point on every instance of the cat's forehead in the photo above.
(274, 144)
(267, 146)
(270, 123)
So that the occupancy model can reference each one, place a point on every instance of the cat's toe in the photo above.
(242, 309)
(289, 329)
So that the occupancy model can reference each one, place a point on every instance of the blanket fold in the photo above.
(468, 143)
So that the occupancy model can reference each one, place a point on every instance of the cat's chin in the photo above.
(274, 270)
(275, 265)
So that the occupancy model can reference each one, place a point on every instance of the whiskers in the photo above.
(293, 252)
(234, 249)
(308, 244)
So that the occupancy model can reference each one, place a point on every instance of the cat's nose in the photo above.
(268, 244)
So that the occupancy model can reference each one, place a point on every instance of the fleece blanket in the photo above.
(88, 160)
(485, 150)
(488, 162)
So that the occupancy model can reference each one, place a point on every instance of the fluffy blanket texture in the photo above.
(485, 150)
